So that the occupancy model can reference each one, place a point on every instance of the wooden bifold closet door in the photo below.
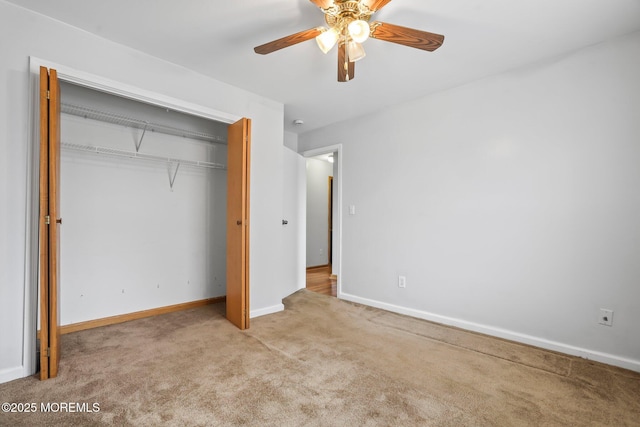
(238, 162)
(49, 235)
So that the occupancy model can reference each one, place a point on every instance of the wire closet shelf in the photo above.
(103, 116)
(89, 113)
(140, 156)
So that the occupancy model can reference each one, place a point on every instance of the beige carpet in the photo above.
(321, 362)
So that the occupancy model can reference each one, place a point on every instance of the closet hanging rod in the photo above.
(141, 156)
(117, 119)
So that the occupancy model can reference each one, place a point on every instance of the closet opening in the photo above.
(146, 193)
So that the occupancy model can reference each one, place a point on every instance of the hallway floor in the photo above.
(319, 280)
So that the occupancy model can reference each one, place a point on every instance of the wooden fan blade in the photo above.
(287, 41)
(375, 4)
(322, 4)
(348, 72)
(406, 36)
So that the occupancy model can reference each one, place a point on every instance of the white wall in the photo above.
(335, 250)
(34, 35)
(291, 141)
(318, 173)
(511, 204)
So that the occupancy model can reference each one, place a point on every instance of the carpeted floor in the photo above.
(321, 362)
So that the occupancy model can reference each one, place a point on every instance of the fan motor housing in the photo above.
(343, 12)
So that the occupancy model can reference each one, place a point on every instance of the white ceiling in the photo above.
(216, 38)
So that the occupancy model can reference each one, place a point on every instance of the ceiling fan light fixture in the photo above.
(327, 39)
(347, 25)
(355, 51)
(359, 30)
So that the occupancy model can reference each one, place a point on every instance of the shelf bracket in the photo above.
(172, 174)
(139, 143)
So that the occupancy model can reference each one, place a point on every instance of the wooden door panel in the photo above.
(49, 236)
(238, 161)
(43, 228)
(55, 222)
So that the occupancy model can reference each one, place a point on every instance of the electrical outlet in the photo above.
(606, 317)
(402, 282)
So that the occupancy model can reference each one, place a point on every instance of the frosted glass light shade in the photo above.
(355, 51)
(359, 30)
(327, 40)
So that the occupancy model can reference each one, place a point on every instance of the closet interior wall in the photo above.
(144, 209)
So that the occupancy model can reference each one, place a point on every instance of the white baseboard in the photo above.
(267, 310)
(609, 359)
(11, 374)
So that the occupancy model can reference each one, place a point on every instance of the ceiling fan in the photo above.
(349, 27)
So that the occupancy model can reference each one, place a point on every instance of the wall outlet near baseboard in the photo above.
(606, 317)
(402, 282)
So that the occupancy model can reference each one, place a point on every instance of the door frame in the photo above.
(337, 208)
(95, 82)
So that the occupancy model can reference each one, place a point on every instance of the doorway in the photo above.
(326, 272)
(318, 171)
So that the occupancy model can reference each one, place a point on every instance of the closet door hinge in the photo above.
(47, 220)
(48, 93)
(46, 352)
